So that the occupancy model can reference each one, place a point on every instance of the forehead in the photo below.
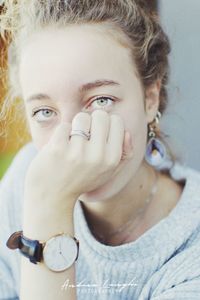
(72, 54)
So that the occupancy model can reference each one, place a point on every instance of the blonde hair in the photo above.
(131, 22)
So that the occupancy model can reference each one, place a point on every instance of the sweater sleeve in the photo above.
(189, 290)
(181, 280)
(11, 196)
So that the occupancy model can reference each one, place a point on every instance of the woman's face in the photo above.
(55, 70)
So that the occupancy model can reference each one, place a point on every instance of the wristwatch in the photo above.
(58, 253)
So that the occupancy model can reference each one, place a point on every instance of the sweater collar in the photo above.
(168, 234)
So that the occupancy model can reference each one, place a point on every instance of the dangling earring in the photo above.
(156, 152)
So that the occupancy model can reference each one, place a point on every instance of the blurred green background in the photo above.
(13, 131)
(5, 160)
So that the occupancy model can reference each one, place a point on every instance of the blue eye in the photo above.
(43, 114)
(101, 102)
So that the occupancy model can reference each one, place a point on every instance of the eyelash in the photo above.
(34, 113)
(101, 97)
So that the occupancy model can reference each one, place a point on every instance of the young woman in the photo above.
(95, 207)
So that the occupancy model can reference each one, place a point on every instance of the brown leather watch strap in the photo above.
(32, 249)
(14, 240)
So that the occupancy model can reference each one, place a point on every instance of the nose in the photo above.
(68, 112)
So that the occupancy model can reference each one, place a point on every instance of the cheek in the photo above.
(139, 140)
(136, 124)
(139, 132)
(40, 137)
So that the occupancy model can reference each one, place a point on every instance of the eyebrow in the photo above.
(84, 88)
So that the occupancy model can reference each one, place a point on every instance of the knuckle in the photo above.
(100, 113)
(81, 116)
(94, 160)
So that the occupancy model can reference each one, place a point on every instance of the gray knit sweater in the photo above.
(164, 263)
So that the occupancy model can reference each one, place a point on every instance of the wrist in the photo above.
(49, 201)
(41, 222)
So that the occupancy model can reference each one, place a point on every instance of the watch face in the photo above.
(60, 252)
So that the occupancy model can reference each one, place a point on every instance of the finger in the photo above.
(99, 129)
(81, 122)
(127, 146)
(60, 135)
(127, 152)
(115, 139)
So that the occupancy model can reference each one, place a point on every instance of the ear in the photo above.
(152, 100)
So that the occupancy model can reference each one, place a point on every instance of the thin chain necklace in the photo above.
(129, 222)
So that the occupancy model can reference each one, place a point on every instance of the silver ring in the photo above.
(80, 133)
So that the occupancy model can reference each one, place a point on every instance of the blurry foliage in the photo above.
(13, 131)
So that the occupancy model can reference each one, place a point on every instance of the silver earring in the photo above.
(155, 151)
